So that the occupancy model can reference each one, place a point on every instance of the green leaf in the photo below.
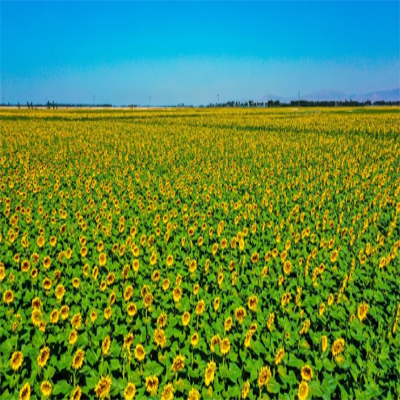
(235, 373)
(273, 386)
(62, 387)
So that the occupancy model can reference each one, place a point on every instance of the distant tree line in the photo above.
(250, 103)
(305, 103)
(53, 105)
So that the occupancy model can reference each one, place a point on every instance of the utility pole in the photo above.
(298, 99)
(218, 98)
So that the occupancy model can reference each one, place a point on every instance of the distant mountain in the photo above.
(325, 95)
(333, 95)
(273, 97)
(384, 95)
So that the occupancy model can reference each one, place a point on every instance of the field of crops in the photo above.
(200, 253)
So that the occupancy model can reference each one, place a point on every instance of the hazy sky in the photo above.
(124, 52)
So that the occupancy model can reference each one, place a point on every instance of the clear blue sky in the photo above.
(189, 52)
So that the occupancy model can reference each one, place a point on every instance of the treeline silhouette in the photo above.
(53, 105)
(269, 104)
(306, 103)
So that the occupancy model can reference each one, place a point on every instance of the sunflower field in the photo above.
(200, 254)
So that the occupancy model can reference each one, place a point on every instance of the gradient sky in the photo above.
(124, 52)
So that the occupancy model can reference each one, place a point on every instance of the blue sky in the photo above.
(124, 52)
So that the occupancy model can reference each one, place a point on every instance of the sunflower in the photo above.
(139, 352)
(8, 296)
(165, 284)
(303, 391)
(131, 309)
(330, 299)
(240, 314)
(192, 266)
(228, 324)
(178, 363)
(75, 283)
(36, 303)
(84, 251)
(209, 374)
(253, 327)
(153, 259)
(46, 388)
(64, 312)
(73, 337)
(60, 291)
(225, 346)
(25, 392)
(306, 373)
(217, 302)
(42, 326)
(245, 390)
(194, 394)
(215, 341)
(77, 393)
(220, 278)
(46, 284)
(168, 392)
(194, 339)
(40, 241)
(110, 278)
(103, 387)
(287, 267)
(102, 259)
(136, 263)
(2, 272)
(93, 315)
(200, 307)
(106, 345)
(148, 300)
(54, 316)
(152, 385)
(156, 276)
(95, 273)
(43, 356)
(337, 347)
(170, 260)
(321, 309)
(78, 359)
(247, 339)
(185, 318)
(130, 391)
(162, 320)
(264, 376)
(76, 321)
(107, 313)
(362, 311)
(215, 248)
(264, 272)
(125, 271)
(334, 257)
(16, 361)
(196, 289)
(252, 303)
(25, 266)
(159, 337)
(177, 294)
(36, 317)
